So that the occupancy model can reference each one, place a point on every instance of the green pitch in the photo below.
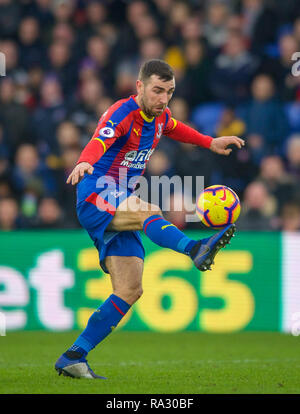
(144, 362)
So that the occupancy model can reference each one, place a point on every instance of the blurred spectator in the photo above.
(29, 175)
(5, 169)
(6, 190)
(280, 68)
(278, 182)
(178, 15)
(99, 53)
(31, 48)
(125, 83)
(290, 217)
(84, 111)
(258, 208)
(4, 144)
(192, 29)
(48, 115)
(239, 170)
(293, 156)
(179, 109)
(127, 41)
(196, 77)
(63, 33)
(34, 83)
(61, 66)
(265, 118)
(215, 28)
(96, 14)
(145, 27)
(151, 48)
(63, 10)
(9, 214)
(296, 30)
(235, 171)
(42, 10)
(68, 136)
(230, 124)
(66, 193)
(14, 116)
(104, 103)
(232, 71)
(136, 10)
(50, 215)
(260, 24)
(10, 13)
(234, 24)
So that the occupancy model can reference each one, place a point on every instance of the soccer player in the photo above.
(125, 138)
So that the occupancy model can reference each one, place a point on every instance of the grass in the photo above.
(155, 363)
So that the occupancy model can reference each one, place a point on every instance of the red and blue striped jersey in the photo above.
(129, 138)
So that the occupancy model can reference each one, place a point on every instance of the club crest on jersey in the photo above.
(160, 130)
(107, 132)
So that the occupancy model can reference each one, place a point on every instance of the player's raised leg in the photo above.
(135, 214)
(126, 278)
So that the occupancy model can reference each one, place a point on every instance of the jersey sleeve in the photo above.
(110, 127)
(181, 132)
(170, 122)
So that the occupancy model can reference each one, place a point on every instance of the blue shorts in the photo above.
(96, 210)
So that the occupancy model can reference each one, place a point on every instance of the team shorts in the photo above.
(96, 210)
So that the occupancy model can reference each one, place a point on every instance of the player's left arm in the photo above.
(181, 132)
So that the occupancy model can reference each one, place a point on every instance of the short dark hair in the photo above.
(156, 67)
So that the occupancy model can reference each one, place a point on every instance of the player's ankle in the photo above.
(75, 354)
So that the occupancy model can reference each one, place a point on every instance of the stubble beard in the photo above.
(146, 110)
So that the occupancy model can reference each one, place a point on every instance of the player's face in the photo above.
(155, 95)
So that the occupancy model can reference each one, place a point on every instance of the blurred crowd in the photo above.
(236, 72)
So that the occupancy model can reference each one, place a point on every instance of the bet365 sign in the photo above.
(53, 281)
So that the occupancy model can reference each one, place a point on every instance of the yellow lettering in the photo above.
(239, 301)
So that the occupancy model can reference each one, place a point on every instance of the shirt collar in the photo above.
(140, 112)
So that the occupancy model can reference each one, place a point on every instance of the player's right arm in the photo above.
(92, 153)
(104, 136)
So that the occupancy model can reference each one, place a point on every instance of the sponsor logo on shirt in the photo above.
(137, 159)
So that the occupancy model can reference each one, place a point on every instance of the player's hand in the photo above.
(219, 145)
(79, 171)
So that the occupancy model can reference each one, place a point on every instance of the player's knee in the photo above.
(130, 294)
(138, 293)
(153, 210)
